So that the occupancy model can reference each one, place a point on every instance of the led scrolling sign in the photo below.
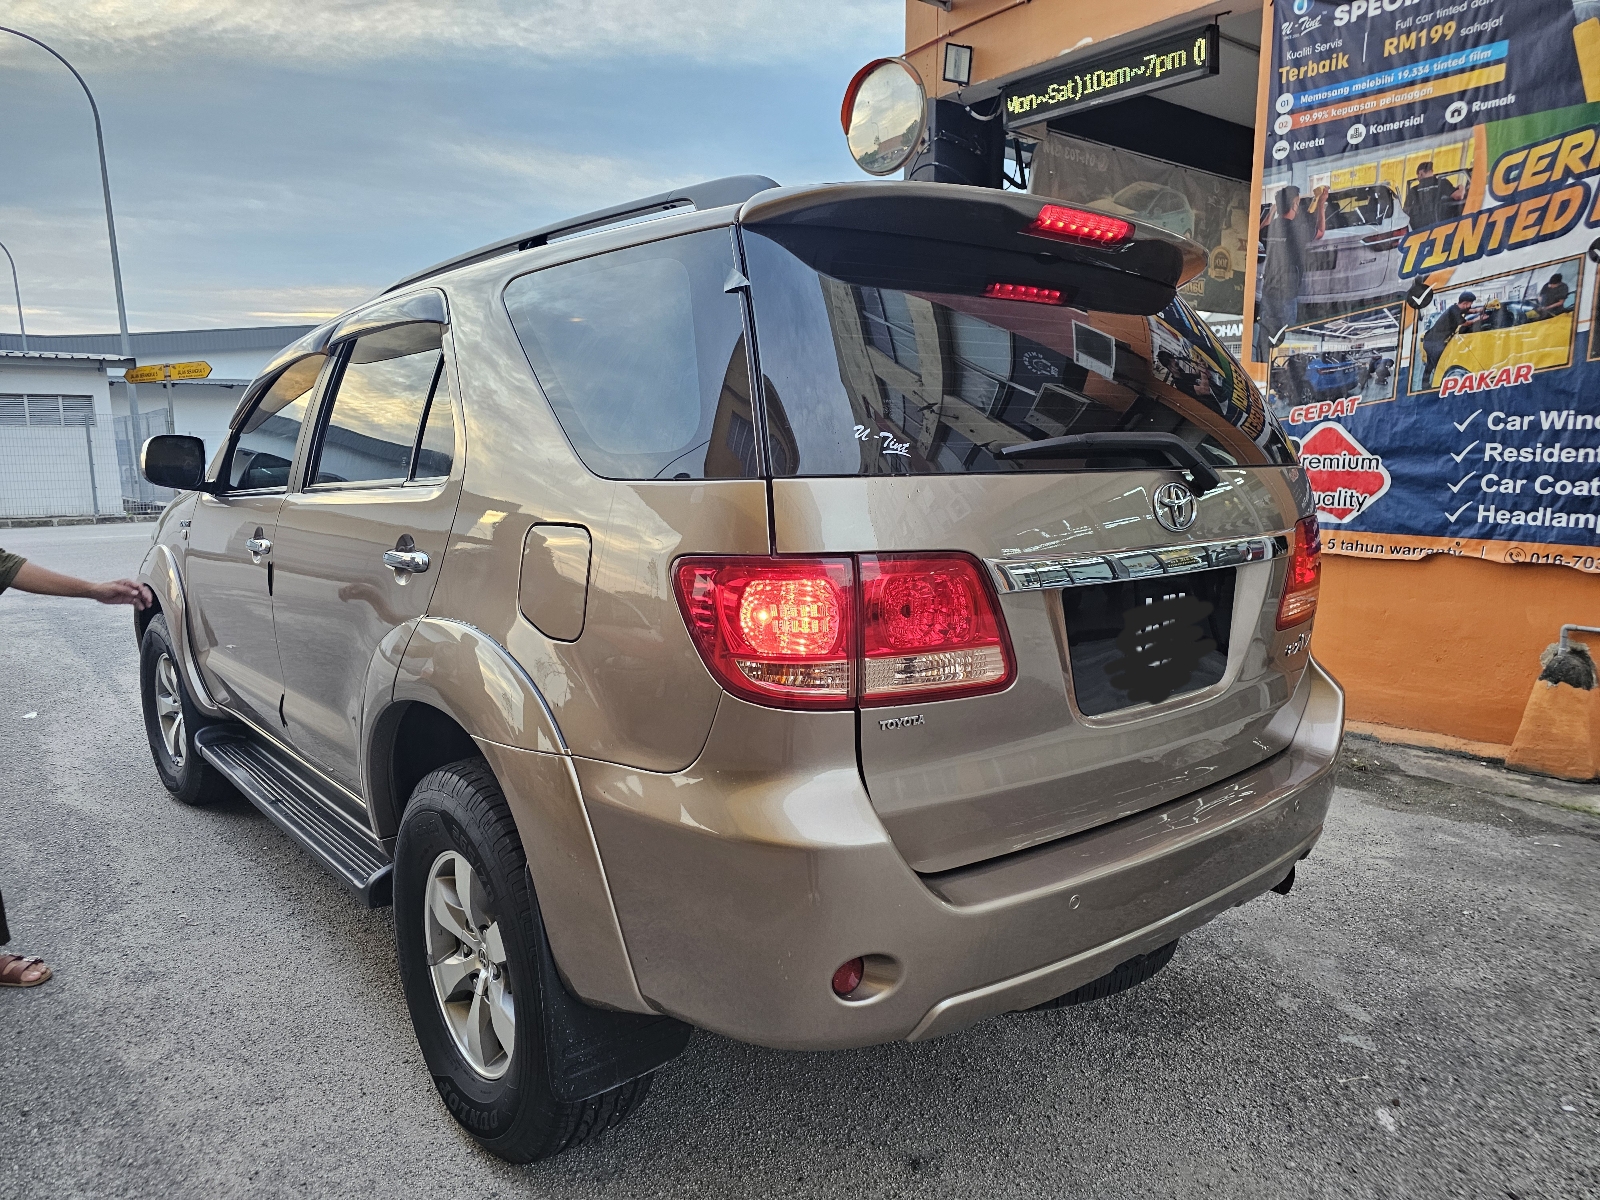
(1161, 62)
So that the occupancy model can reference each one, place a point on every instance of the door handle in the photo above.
(415, 561)
(258, 545)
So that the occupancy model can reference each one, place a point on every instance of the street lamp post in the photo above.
(15, 287)
(111, 225)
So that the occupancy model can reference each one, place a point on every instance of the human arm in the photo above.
(1319, 205)
(30, 577)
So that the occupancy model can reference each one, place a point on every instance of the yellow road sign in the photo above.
(156, 374)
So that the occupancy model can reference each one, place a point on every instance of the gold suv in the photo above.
(822, 616)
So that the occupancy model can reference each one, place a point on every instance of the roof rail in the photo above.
(734, 189)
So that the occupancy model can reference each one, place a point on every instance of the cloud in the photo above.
(335, 31)
(276, 163)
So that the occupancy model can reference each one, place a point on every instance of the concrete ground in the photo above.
(1420, 1018)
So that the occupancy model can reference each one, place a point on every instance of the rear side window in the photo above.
(438, 447)
(890, 355)
(641, 354)
(265, 449)
(378, 405)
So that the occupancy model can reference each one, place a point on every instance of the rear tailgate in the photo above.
(892, 383)
(964, 780)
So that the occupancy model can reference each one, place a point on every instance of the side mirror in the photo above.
(174, 460)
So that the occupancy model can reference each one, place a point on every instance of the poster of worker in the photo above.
(1431, 181)
(1212, 210)
(1523, 321)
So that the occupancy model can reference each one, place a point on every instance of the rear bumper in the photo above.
(743, 882)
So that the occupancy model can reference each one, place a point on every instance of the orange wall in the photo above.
(1008, 35)
(1447, 645)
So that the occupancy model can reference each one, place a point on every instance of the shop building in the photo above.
(1379, 131)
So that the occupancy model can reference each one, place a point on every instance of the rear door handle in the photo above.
(258, 545)
(415, 561)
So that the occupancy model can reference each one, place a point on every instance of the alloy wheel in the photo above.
(169, 709)
(467, 963)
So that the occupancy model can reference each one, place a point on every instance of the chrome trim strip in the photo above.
(1044, 573)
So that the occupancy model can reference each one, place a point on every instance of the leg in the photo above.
(15, 970)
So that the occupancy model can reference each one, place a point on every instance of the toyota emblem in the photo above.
(1175, 507)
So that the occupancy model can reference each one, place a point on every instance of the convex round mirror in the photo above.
(884, 115)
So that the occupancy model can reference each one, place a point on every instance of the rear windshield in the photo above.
(882, 355)
(1360, 206)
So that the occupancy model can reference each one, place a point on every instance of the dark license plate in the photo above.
(1143, 641)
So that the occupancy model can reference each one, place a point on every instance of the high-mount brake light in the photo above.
(831, 632)
(931, 629)
(1021, 291)
(1081, 226)
(1299, 602)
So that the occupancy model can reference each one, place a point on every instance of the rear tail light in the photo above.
(774, 630)
(1021, 291)
(1384, 241)
(930, 629)
(848, 977)
(1299, 601)
(1081, 226)
(823, 633)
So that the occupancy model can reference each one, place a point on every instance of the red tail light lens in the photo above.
(1078, 225)
(1300, 589)
(802, 633)
(1021, 291)
(930, 629)
(777, 631)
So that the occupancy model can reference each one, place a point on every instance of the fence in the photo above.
(59, 459)
(138, 494)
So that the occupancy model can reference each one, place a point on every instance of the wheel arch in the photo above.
(457, 691)
(165, 580)
(410, 739)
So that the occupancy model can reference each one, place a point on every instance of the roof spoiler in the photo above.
(715, 193)
(974, 216)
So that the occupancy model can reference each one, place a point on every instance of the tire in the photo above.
(457, 826)
(171, 720)
(1129, 974)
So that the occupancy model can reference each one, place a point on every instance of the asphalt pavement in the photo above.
(1420, 1017)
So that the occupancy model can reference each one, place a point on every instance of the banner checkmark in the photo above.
(1456, 487)
(1462, 428)
(1464, 453)
(1459, 511)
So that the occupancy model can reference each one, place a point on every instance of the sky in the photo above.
(273, 162)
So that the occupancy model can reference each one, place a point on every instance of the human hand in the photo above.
(122, 591)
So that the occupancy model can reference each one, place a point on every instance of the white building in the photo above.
(64, 405)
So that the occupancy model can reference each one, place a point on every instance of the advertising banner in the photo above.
(1427, 245)
(1213, 210)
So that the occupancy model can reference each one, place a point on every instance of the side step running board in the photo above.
(272, 782)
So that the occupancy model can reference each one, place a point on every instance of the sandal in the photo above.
(15, 971)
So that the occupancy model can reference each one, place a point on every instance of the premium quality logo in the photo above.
(1346, 477)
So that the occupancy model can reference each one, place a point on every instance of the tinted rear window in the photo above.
(641, 354)
(882, 355)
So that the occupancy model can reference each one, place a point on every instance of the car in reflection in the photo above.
(1153, 202)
